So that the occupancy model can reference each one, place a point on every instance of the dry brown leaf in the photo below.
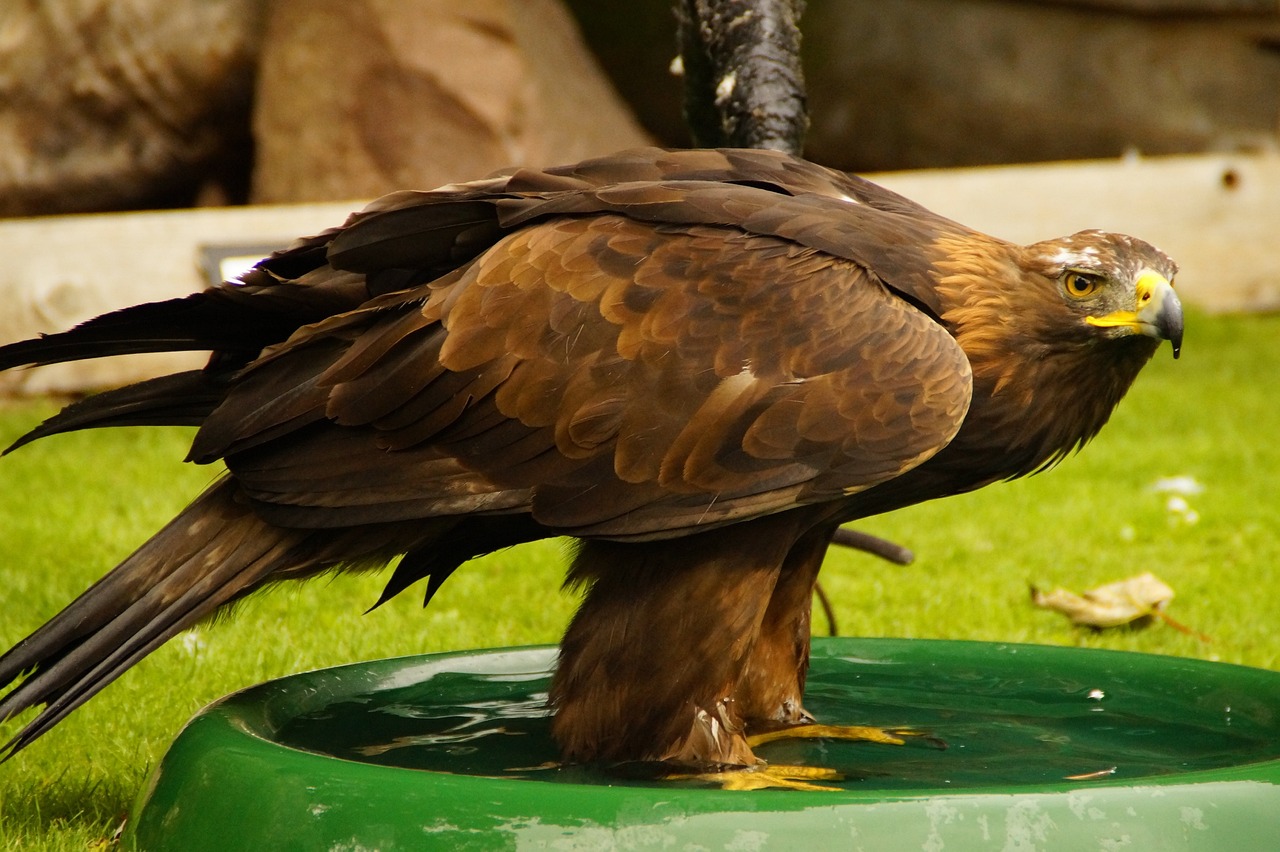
(1135, 601)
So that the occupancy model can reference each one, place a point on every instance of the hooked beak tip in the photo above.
(1169, 321)
(1160, 309)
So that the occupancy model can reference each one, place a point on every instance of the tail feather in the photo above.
(180, 399)
(211, 554)
(210, 320)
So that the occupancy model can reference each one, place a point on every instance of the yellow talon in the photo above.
(765, 777)
(859, 733)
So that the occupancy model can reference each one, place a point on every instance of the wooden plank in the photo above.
(1171, 7)
(62, 270)
(1218, 215)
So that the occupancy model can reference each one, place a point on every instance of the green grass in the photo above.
(72, 506)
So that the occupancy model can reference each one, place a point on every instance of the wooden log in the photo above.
(744, 87)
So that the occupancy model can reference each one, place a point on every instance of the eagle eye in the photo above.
(1080, 285)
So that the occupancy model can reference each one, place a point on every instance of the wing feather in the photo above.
(613, 378)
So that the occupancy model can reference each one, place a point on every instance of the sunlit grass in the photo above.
(1211, 417)
(72, 506)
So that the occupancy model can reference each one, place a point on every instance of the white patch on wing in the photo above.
(739, 382)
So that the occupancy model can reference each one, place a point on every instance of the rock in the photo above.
(107, 104)
(361, 97)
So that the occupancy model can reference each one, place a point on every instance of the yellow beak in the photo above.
(1157, 311)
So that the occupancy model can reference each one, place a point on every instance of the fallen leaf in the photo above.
(1112, 605)
(1133, 601)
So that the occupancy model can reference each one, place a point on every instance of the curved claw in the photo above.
(768, 777)
(858, 733)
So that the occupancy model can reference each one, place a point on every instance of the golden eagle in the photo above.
(697, 363)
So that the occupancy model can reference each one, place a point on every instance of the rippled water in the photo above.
(1042, 717)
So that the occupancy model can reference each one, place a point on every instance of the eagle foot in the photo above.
(766, 777)
(856, 733)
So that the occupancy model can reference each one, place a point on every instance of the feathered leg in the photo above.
(770, 692)
(627, 688)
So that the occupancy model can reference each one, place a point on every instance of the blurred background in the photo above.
(260, 120)
(128, 104)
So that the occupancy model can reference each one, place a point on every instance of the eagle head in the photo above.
(1116, 285)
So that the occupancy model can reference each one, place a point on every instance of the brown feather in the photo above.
(698, 362)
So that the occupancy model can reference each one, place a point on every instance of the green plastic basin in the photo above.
(1046, 749)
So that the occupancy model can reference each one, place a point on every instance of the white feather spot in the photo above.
(1070, 257)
